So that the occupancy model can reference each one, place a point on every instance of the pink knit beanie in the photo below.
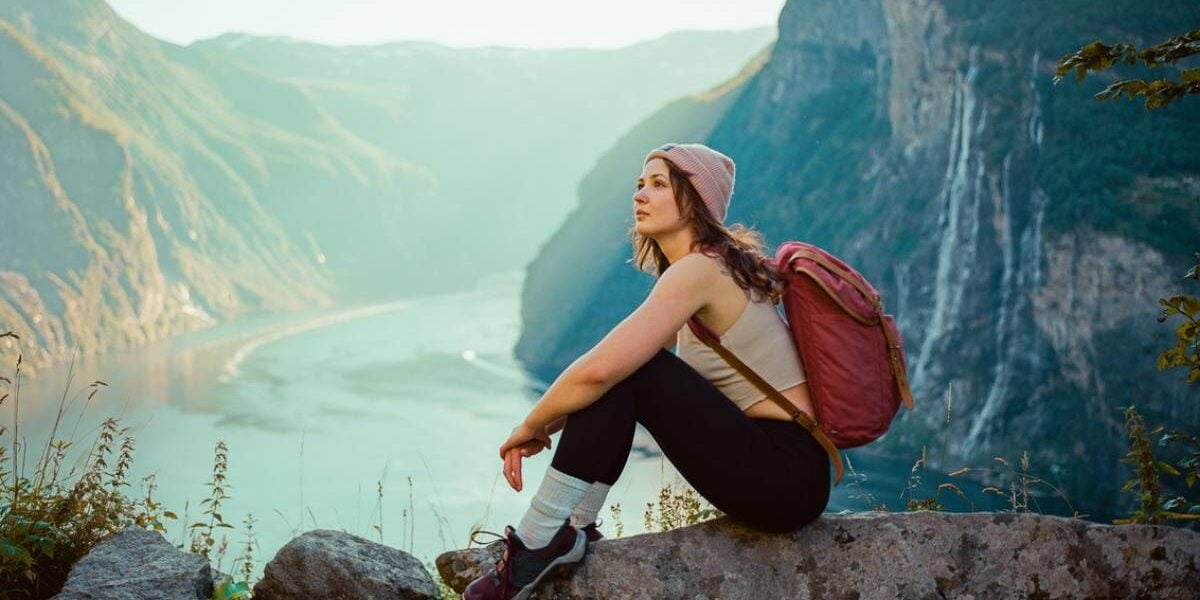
(709, 171)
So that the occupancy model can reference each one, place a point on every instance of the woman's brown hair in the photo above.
(741, 248)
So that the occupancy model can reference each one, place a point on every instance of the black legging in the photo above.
(769, 474)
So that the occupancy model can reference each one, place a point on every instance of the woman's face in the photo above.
(655, 212)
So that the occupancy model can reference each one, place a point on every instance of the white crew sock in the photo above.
(556, 498)
(589, 508)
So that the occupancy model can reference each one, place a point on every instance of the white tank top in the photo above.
(760, 338)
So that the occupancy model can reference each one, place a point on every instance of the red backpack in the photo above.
(852, 354)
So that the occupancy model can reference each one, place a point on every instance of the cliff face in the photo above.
(110, 239)
(1021, 232)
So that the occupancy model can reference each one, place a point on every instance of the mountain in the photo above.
(150, 189)
(133, 190)
(506, 132)
(1020, 231)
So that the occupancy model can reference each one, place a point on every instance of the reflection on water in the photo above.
(382, 420)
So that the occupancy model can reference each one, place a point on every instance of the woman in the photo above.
(738, 449)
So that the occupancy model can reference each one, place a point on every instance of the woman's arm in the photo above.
(556, 425)
(681, 291)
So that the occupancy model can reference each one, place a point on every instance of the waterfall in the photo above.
(1022, 260)
(1005, 327)
(956, 250)
(1034, 129)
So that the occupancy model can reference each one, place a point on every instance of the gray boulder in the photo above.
(878, 555)
(333, 565)
(138, 564)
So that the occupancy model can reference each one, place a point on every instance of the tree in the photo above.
(1097, 56)
(1158, 93)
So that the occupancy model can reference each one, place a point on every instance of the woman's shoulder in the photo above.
(720, 277)
(701, 263)
(693, 271)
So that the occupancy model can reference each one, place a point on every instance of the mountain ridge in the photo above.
(183, 187)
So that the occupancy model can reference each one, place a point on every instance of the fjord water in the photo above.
(320, 410)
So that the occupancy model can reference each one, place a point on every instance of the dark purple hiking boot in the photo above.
(519, 569)
(592, 532)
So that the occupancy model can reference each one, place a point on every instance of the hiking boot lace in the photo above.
(503, 565)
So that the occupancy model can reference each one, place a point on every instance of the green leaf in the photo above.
(1190, 305)
(13, 551)
(1162, 466)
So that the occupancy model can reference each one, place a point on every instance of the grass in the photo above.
(54, 516)
(1015, 485)
(50, 518)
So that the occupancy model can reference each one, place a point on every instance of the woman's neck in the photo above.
(676, 245)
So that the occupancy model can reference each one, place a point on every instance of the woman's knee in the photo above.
(663, 362)
(610, 414)
(614, 405)
(665, 378)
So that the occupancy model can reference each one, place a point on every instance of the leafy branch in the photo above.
(1186, 351)
(1098, 56)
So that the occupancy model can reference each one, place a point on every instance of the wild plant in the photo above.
(932, 503)
(1019, 483)
(857, 480)
(1147, 466)
(618, 526)
(49, 518)
(247, 556)
(678, 506)
(202, 538)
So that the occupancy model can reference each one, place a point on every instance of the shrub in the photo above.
(50, 519)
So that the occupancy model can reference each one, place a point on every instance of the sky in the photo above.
(458, 23)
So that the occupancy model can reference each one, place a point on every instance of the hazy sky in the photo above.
(463, 23)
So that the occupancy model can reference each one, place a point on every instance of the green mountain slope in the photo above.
(151, 189)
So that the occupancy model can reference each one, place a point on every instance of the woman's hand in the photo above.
(523, 433)
(512, 462)
(523, 442)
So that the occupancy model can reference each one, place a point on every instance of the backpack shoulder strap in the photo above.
(802, 418)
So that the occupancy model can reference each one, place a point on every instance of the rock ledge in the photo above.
(879, 555)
